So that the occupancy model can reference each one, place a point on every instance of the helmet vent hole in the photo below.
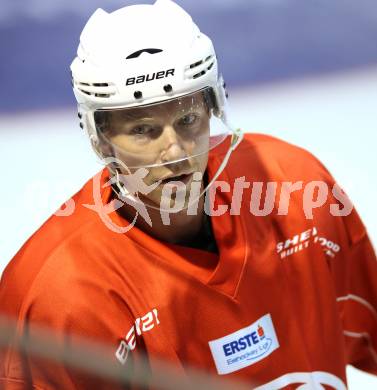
(200, 68)
(86, 92)
(100, 90)
(168, 88)
(196, 64)
(138, 94)
(202, 73)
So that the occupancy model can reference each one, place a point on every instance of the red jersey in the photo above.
(287, 300)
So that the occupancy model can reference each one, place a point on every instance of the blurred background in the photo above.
(304, 71)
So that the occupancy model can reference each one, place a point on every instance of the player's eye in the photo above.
(188, 119)
(142, 130)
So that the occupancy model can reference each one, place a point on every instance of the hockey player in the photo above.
(273, 296)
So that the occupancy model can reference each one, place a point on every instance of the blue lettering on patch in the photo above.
(241, 344)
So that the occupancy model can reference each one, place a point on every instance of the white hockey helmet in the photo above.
(142, 59)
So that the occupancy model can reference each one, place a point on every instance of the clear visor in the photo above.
(162, 133)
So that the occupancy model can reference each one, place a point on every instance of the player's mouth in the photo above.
(183, 178)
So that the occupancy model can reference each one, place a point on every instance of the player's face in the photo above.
(172, 137)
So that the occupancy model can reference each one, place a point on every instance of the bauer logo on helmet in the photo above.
(149, 77)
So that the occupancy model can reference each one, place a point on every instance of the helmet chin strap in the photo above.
(123, 193)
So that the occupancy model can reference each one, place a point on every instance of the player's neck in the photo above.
(181, 227)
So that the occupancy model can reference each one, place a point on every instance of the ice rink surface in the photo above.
(47, 158)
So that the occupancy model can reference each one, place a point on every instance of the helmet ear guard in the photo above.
(221, 98)
(87, 124)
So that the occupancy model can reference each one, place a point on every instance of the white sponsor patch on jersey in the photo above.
(244, 347)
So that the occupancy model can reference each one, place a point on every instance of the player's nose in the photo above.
(173, 148)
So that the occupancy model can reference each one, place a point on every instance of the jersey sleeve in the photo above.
(354, 273)
(356, 281)
(73, 319)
